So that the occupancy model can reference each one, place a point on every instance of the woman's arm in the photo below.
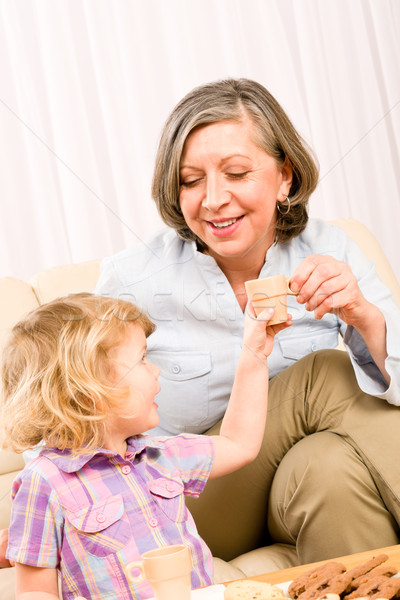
(243, 425)
(327, 285)
(373, 331)
(34, 583)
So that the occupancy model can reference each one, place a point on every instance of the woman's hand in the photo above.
(326, 285)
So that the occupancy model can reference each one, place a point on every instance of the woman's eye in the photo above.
(238, 175)
(190, 183)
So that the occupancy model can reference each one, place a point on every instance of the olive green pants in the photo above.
(327, 478)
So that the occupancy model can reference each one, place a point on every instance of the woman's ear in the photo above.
(287, 178)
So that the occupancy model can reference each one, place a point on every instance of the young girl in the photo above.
(101, 493)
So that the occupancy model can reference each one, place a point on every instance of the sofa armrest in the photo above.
(372, 250)
(10, 465)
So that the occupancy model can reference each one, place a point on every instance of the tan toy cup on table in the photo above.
(168, 571)
(270, 292)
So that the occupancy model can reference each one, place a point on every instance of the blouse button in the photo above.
(176, 368)
(153, 522)
(313, 347)
(126, 469)
(100, 518)
(170, 487)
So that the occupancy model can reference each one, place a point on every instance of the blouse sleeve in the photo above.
(194, 456)
(368, 375)
(108, 283)
(36, 522)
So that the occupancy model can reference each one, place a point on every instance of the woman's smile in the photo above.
(226, 226)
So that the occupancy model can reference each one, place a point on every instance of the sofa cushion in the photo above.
(7, 460)
(17, 298)
(7, 584)
(5, 500)
(10, 462)
(266, 559)
(68, 279)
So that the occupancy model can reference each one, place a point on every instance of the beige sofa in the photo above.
(18, 297)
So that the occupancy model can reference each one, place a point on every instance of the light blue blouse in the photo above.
(200, 323)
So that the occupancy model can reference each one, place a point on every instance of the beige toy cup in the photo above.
(270, 292)
(168, 571)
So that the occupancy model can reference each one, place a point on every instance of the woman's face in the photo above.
(229, 188)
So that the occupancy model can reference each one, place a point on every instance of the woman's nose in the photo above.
(215, 195)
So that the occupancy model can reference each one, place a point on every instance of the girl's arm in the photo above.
(34, 583)
(243, 425)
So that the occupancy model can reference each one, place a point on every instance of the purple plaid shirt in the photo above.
(92, 514)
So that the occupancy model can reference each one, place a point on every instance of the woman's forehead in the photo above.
(231, 138)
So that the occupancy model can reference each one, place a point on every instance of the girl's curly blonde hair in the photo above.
(55, 375)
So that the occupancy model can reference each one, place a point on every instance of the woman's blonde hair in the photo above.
(232, 100)
(56, 383)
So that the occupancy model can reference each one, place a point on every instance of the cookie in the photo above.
(315, 578)
(367, 566)
(389, 589)
(368, 588)
(386, 571)
(252, 590)
(337, 584)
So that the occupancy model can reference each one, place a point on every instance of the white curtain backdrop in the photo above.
(85, 87)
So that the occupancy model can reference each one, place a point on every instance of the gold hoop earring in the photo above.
(279, 204)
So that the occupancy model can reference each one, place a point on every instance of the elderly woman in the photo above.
(232, 182)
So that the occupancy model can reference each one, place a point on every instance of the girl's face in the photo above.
(131, 369)
(229, 188)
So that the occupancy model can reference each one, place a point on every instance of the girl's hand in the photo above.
(258, 336)
(326, 285)
(4, 562)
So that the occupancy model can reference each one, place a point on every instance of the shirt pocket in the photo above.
(102, 528)
(169, 496)
(183, 400)
(296, 346)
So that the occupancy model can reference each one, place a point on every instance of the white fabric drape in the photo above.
(85, 87)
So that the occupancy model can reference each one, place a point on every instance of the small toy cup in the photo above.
(270, 292)
(168, 571)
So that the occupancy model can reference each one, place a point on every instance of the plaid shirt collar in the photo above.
(69, 462)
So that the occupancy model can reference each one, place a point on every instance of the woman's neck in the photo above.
(238, 272)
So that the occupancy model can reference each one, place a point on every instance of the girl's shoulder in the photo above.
(34, 479)
(45, 472)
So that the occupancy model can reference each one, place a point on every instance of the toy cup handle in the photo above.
(136, 565)
(289, 291)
